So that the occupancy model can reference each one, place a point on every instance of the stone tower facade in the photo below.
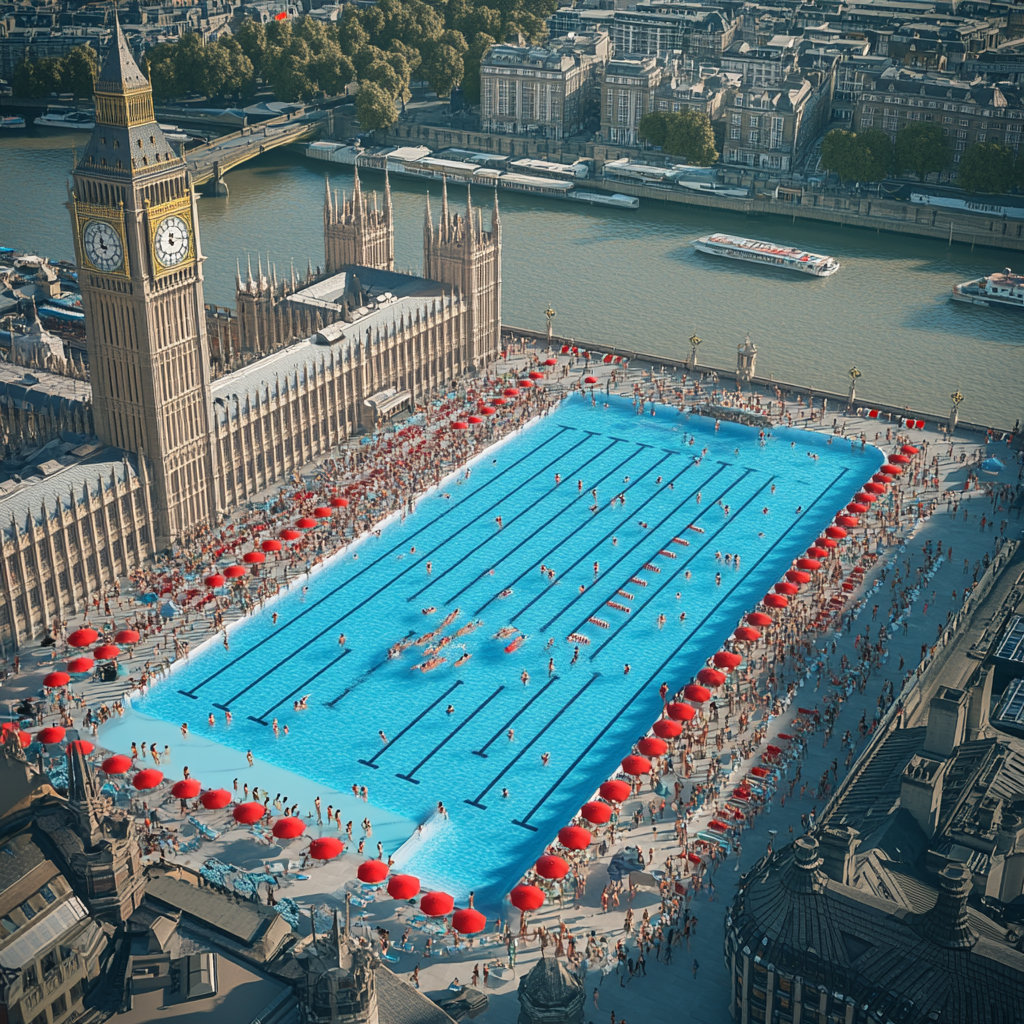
(266, 322)
(139, 263)
(338, 983)
(462, 254)
(356, 235)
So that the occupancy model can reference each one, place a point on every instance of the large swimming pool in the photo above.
(447, 728)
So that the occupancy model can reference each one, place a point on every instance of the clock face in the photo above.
(171, 242)
(102, 245)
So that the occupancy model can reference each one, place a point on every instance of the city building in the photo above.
(660, 28)
(708, 92)
(852, 75)
(762, 66)
(627, 93)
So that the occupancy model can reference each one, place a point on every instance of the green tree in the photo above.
(1018, 170)
(79, 71)
(375, 108)
(443, 68)
(863, 157)
(986, 167)
(686, 134)
(922, 148)
(24, 82)
(471, 60)
(653, 128)
(875, 154)
(837, 153)
(252, 38)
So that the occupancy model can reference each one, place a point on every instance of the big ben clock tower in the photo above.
(140, 273)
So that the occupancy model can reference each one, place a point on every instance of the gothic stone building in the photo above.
(168, 447)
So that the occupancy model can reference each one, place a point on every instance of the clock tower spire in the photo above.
(140, 272)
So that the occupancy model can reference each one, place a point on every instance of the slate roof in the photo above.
(119, 70)
(40, 390)
(399, 1003)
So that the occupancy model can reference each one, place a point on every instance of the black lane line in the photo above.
(371, 565)
(469, 718)
(674, 512)
(524, 822)
(508, 725)
(626, 552)
(522, 753)
(270, 671)
(362, 679)
(682, 568)
(586, 554)
(319, 672)
(579, 497)
(451, 689)
(519, 515)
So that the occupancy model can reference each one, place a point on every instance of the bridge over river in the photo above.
(210, 162)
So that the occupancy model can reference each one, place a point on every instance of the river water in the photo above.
(625, 277)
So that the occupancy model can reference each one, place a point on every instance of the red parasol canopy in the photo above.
(808, 564)
(403, 887)
(857, 508)
(815, 552)
(488, 410)
(548, 866)
(323, 512)
(214, 580)
(536, 375)
(186, 789)
(527, 897)
(80, 666)
(727, 660)
(615, 790)
(550, 362)
(55, 679)
(289, 534)
(215, 799)
(572, 837)
(899, 460)
(652, 746)
(234, 572)
(759, 773)
(271, 545)
(826, 542)
(106, 652)
(83, 637)
(835, 532)
(890, 470)
(511, 392)
(797, 576)
(596, 812)
(339, 502)
(372, 872)
(148, 778)
(847, 521)
(874, 487)
(909, 449)
(680, 712)
(667, 729)
(698, 694)
(632, 764)
(254, 558)
(759, 619)
(746, 633)
(288, 828)
(468, 921)
(589, 380)
(248, 813)
(51, 734)
(773, 750)
(475, 419)
(785, 587)
(82, 747)
(306, 523)
(326, 848)
(127, 636)
(865, 498)
(459, 425)
(118, 764)
(710, 677)
(499, 401)
(527, 383)
(776, 600)
(437, 904)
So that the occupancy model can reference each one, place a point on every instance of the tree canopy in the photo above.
(75, 72)
(986, 167)
(375, 107)
(866, 156)
(921, 148)
(687, 134)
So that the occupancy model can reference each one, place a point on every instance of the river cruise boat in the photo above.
(64, 118)
(1005, 289)
(752, 251)
(12, 122)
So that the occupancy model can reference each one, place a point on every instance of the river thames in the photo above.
(627, 278)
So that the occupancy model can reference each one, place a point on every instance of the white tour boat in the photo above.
(64, 118)
(1005, 289)
(752, 251)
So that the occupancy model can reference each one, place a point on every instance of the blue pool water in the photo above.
(585, 715)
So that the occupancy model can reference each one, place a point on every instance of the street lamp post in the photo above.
(695, 343)
(854, 374)
(954, 413)
(550, 314)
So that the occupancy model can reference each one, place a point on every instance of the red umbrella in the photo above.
(373, 872)
(848, 521)
(774, 750)
(106, 652)
(796, 576)
(776, 600)
(511, 392)
(710, 677)
(215, 799)
(468, 921)
(271, 545)
(118, 764)
(51, 734)
(548, 866)
(909, 449)
(403, 887)
(249, 813)
(82, 747)
(55, 679)
(890, 470)
(865, 498)
(460, 426)
(536, 375)
(288, 828)
(488, 410)
(306, 523)
(652, 746)
(809, 564)
(589, 380)
(127, 636)
(615, 790)
(289, 535)
(148, 778)
(758, 772)
(83, 637)
(234, 572)
(254, 558)
(499, 401)
(632, 764)
(323, 512)
(785, 587)
(698, 694)
(874, 487)
(326, 848)
(745, 633)
(881, 478)
(727, 660)
(550, 362)
(80, 666)
(527, 897)
(214, 580)
(759, 619)
(572, 837)
(815, 552)
(680, 712)
(835, 532)
(826, 542)
(527, 383)
(595, 812)
(857, 508)
(475, 419)
(339, 502)
(186, 789)
(437, 904)
(667, 729)
(900, 460)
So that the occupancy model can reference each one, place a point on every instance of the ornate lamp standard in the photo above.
(954, 413)
(695, 343)
(854, 374)
(550, 314)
